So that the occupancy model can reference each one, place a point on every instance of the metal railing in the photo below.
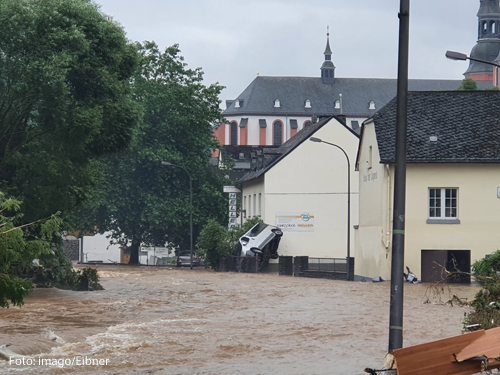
(327, 264)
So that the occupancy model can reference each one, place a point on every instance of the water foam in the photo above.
(119, 339)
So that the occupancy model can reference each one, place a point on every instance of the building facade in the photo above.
(452, 184)
(302, 188)
(271, 110)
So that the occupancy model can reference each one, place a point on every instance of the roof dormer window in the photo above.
(371, 105)
(337, 104)
(237, 103)
(277, 103)
(307, 104)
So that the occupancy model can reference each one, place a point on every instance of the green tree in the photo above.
(216, 241)
(65, 99)
(142, 201)
(486, 304)
(19, 245)
(468, 84)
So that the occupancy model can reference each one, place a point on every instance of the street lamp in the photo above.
(313, 139)
(458, 56)
(190, 207)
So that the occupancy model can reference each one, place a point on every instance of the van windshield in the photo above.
(256, 229)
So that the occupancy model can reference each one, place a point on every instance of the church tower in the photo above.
(328, 69)
(488, 45)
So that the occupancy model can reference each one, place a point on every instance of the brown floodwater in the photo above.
(177, 321)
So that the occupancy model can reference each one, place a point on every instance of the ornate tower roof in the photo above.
(488, 7)
(488, 44)
(328, 69)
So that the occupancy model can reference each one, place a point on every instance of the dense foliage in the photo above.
(486, 304)
(468, 84)
(216, 241)
(86, 118)
(18, 248)
(486, 268)
(142, 201)
(65, 98)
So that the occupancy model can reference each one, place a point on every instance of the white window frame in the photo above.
(440, 202)
(370, 157)
(245, 206)
(249, 213)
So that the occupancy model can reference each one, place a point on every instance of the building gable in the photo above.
(290, 145)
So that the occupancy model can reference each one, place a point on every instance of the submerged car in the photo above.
(263, 240)
(184, 259)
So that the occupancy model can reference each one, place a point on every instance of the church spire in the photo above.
(328, 69)
(489, 19)
(487, 47)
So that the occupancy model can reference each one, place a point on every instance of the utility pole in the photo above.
(398, 228)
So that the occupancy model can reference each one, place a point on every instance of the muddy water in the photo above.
(171, 321)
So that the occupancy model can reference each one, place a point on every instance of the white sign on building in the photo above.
(295, 222)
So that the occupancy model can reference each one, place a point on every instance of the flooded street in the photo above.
(177, 321)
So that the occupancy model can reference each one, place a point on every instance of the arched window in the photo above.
(277, 103)
(307, 123)
(234, 133)
(277, 133)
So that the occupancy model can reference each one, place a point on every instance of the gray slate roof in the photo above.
(487, 50)
(270, 160)
(466, 123)
(258, 98)
(487, 8)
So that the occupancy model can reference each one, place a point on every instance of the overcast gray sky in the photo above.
(232, 40)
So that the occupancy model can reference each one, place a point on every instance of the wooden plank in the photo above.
(437, 357)
(488, 345)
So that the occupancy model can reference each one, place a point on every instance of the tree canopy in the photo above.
(468, 84)
(65, 98)
(19, 247)
(142, 201)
